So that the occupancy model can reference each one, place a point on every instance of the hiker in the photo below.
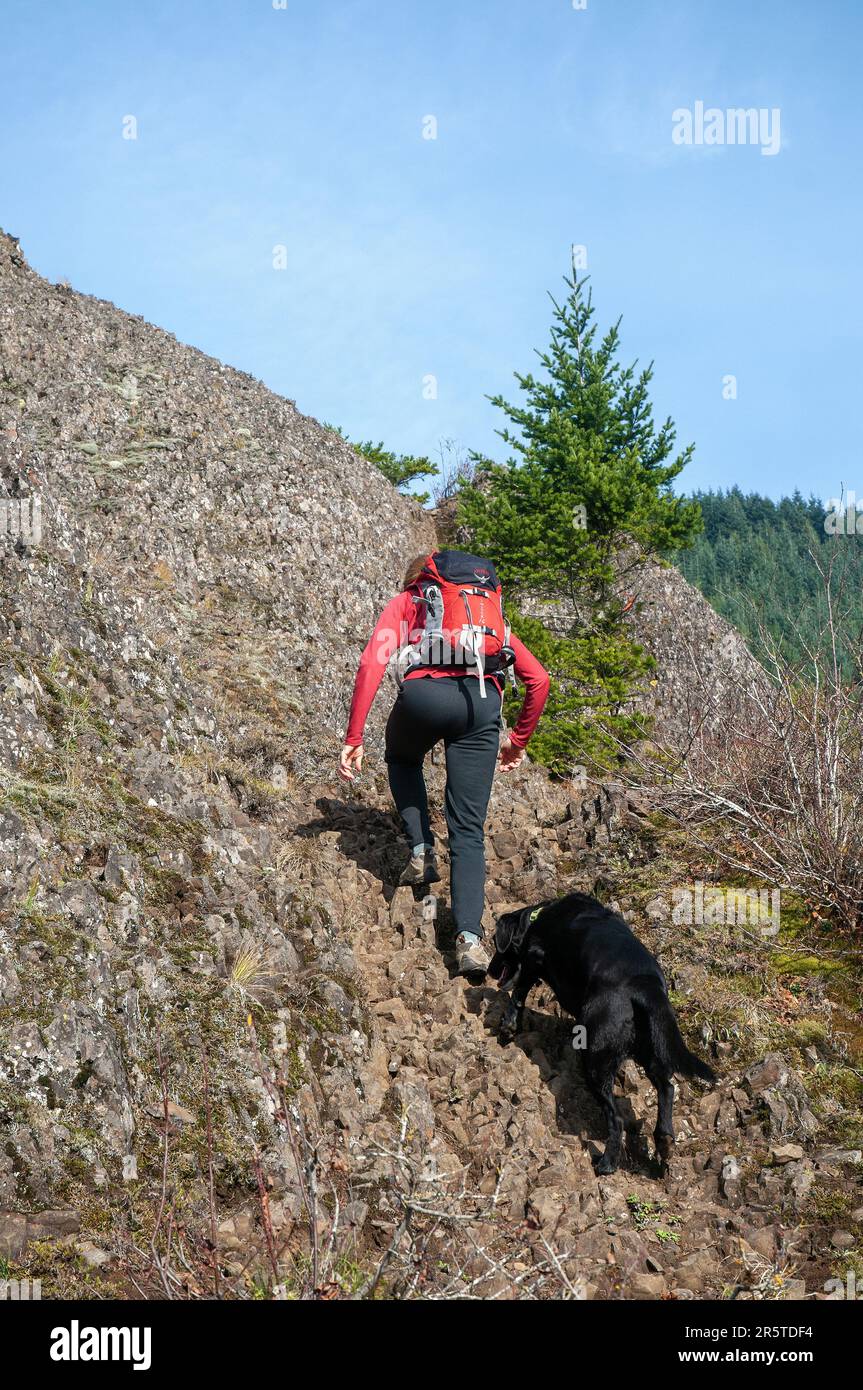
(447, 637)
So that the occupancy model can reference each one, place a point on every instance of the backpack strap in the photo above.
(507, 651)
(477, 652)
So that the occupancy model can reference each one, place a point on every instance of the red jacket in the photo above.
(392, 630)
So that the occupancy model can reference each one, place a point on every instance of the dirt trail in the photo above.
(519, 1117)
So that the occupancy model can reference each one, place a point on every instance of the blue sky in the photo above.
(408, 257)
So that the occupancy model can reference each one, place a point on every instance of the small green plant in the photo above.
(642, 1211)
(666, 1237)
(248, 969)
(28, 902)
(646, 1213)
(260, 1290)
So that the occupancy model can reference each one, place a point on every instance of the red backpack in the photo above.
(464, 621)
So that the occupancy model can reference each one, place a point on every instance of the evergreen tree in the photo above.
(590, 471)
(401, 469)
(587, 486)
(754, 563)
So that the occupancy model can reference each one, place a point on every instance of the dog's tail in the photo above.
(650, 999)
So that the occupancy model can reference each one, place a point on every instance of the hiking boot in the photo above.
(420, 868)
(471, 959)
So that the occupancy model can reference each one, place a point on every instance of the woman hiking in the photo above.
(447, 634)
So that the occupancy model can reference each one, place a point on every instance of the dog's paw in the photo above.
(664, 1150)
(508, 1026)
(603, 1165)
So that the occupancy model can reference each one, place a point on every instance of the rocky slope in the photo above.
(702, 662)
(232, 1057)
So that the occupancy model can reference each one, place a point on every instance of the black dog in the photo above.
(614, 987)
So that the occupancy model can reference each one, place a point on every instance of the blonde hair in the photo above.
(414, 570)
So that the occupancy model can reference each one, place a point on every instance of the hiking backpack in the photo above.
(464, 623)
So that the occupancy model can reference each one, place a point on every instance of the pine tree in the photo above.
(400, 469)
(754, 562)
(586, 491)
(589, 474)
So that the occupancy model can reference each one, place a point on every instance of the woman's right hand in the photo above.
(509, 756)
(350, 761)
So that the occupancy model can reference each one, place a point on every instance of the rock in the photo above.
(837, 1158)
(763, 1240)
(405, 912)
(786, 1153)
(10, 983)
(697, 1271)
(843, 1240)
(546, 1206)
(409, 1097)
(336, 999)
(18, 1229)
(83, 903)
(631, 1079)
(392, 1009)
(91, 1254)
(730, 1184)
(799, 1179)
(728, 1119)
(782, 1097)
(646, 1286)
(506, 844)
(177, 1113)
(708, 1108)
(772, 1071)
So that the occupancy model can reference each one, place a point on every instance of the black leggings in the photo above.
(430, 708)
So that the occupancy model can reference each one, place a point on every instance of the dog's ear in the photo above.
(503, 932)
(525, 920)
(512, 929)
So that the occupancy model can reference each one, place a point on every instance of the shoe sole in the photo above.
(417, 880)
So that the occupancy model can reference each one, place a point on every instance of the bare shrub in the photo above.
(448, 1242)
(445, 1242)
(457, 467)
(772, 781)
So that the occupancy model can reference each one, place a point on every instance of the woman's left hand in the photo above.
(509, 756)
(350, 761)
